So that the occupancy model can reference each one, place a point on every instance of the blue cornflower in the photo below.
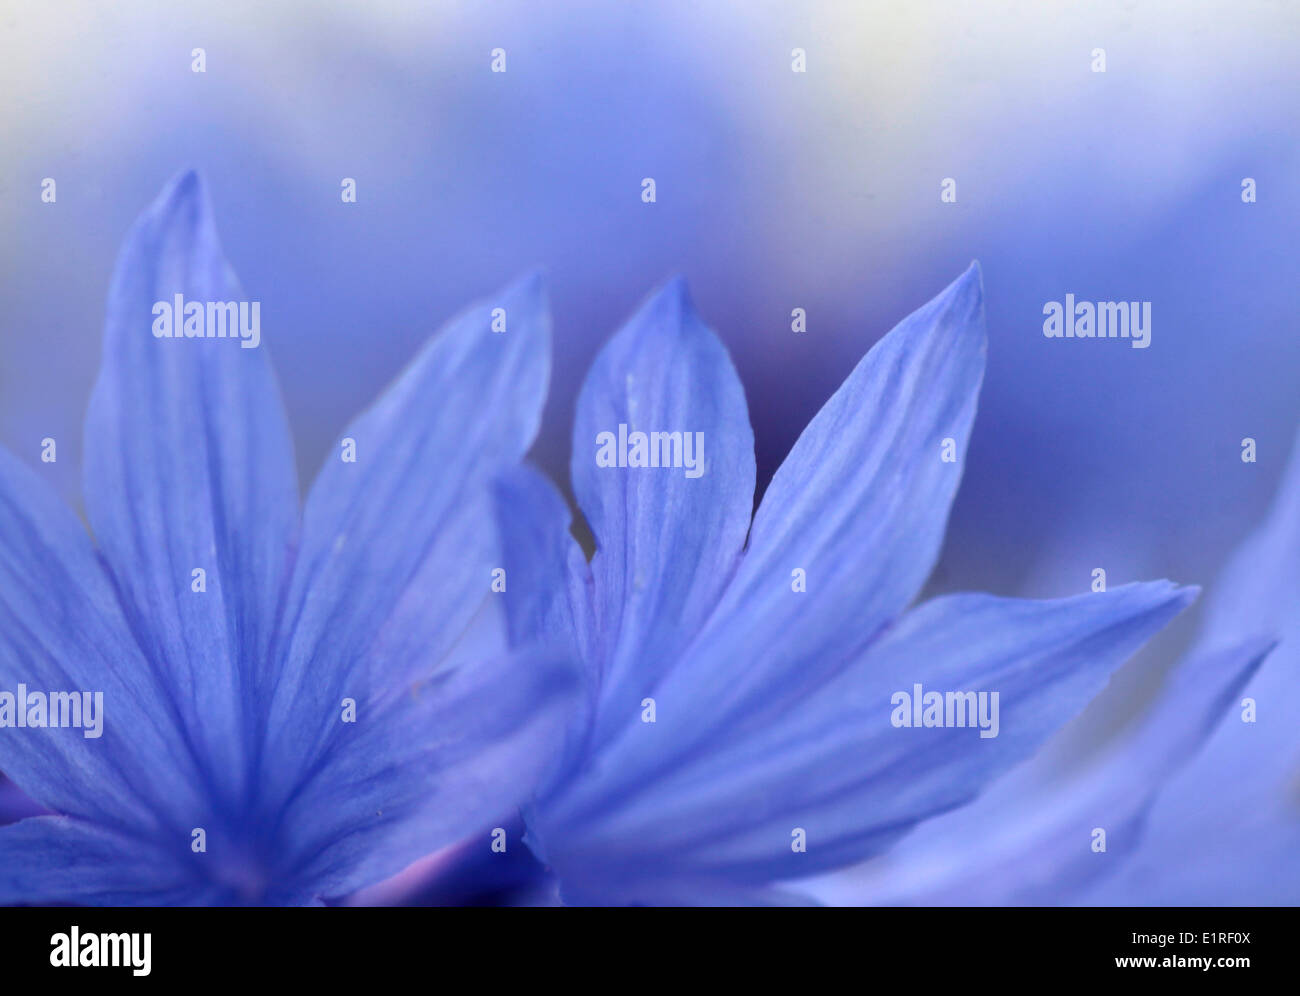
(741, 723)
(294, 704)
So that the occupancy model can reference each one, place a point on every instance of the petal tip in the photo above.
(526, 297)
(530, 291)
(673, 300)
(190, 180)
(1165, 593)
(531, 285)
(676, 294)
(178, 218)
(667, 315)
(966, 293)
(185, 192)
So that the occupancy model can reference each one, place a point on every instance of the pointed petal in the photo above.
(189, 466)
(833, 765)
(1026, 840)
(397, 546)
(859, 505)
(667, 542)
(1238, 794)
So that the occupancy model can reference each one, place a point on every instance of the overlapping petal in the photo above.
(1029, 840)
(832, 765)
(1240, 790)
(443, 762)
(62, 631)
(66, 860)
(859, 507)
(324, 709)
(391, 612)
(397, 547)
(773, 719)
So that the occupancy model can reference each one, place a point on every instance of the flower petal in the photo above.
(62, 631)
(398, 546)
(1239, 792)
(859, 505)
(54, 859)
(189, 466)
(832, 764)
(15, 804)
(667, 542)
(1259, 590)
(428, 766)
(1025, 841)
(548, 599)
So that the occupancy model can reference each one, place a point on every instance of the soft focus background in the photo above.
(775, 190)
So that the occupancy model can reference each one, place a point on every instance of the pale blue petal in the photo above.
(1239, 794)
(1029, 839)
(831, 763)
(189, 466)
(548, 598)
(394, 571)
(62, 630)
(666, 543)
(428, 766)
(859, 505)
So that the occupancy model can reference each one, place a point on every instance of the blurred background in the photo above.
(775, 190)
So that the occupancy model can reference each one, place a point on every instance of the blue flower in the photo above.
(295, 704)
(740, 724)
